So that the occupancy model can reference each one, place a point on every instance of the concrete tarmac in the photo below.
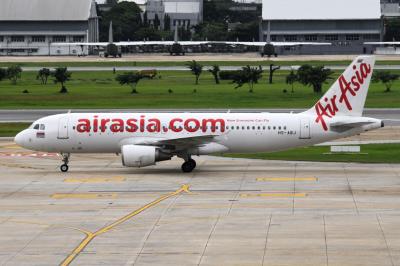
(227, 212)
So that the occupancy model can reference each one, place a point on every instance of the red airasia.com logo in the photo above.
(347, 89)
(150, 125)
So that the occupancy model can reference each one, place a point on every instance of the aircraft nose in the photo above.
(20, 139)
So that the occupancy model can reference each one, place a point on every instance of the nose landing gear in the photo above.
(189, 165)
(64, 167)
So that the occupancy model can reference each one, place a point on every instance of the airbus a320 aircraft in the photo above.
(143, 139)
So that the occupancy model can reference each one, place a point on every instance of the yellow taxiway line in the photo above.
(91, 235)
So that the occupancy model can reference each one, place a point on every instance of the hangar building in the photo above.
(28, 27)
(347, 24)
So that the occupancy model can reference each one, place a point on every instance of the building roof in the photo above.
(45, 10)
(320, 10)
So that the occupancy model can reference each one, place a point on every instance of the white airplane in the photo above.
(146, 138)
(113, 49)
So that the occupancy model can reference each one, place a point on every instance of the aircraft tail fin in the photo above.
(347, 95)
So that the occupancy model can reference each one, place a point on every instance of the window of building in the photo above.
(1, 38)
(311, 38)
(59, 38)
(274, 38)
(332, 37)
(78, 38)
(17, 38)
(38, 39)
(352, 37)
(290, 38)
(371, 37)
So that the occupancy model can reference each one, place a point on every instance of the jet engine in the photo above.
(141, 156)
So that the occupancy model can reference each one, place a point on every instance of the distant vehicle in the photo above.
(268, 48)
(143, 139)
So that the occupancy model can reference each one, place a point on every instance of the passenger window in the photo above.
(258, 128)
(254, 127)
(36, 127)
(274, 128)
(42, 127)
(237, 127)
(269, 128)
(284, 127)
(279, 128)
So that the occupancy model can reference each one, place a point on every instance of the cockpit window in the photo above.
(36, 127)
(42, 127)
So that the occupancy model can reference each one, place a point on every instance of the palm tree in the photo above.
(61, 75)
(291, 79)
(386, 78)
(196, 69)
(215, 72)
(43, 75)
(130, 78)
(14, 73)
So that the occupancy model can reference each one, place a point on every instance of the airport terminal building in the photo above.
(345, 24)
(28, 27)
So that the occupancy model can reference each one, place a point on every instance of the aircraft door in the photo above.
(63, 128)
(305, 129)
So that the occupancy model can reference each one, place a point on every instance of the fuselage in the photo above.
(237, 132)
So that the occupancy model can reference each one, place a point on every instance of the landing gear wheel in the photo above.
(193, 162)
(65, 160)
(188, 166)
(64, 168)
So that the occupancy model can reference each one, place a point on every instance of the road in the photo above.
(184, 68)
(32, 115)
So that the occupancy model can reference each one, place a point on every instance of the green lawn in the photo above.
(110, 63)
(11, 129)
(374, 153)
(100, 90)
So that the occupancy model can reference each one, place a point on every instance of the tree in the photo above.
(156, 22)
(126, 19)
(196, 69)
(130, 78)
(61, 75)
(272, 70)
(3, 74)
(43, 75)
(167, 22)
(215, 72)
(14, 73)
(386, 78)
(291, 79)
(145, 20)
(314, 76)
(249, 75)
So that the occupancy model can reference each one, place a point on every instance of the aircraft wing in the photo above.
(166, 43)
(382, 43)
(261, 44)
(177, 143)
(103, 44)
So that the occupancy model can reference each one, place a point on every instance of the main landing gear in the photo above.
(189, 165)
(64, 167)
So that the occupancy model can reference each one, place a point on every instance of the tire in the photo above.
(64, 168)
(192, 162)
(187, 167)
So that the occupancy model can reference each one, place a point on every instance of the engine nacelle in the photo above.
(141, 156)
